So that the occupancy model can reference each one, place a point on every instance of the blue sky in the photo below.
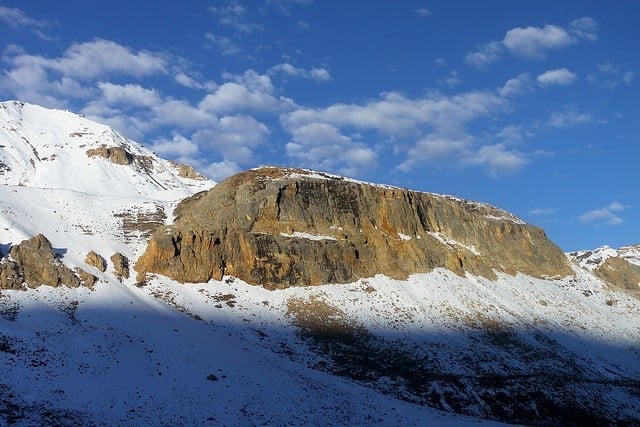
(531, 106)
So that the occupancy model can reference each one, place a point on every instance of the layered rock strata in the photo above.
(288, 227)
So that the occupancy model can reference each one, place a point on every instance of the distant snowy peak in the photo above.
(48, 148)
(591, 260)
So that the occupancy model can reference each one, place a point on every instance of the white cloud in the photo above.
(628, 77)
(323, 146)
(560, 77)
(53, 81)
(16, 18)
(176, 146)
(568, 118)
(304, 25)
(318, 74)
(486, 55)
(188, 81)
(422, 12)
(222, 44)
(535, 42)
(542, 211)
(85, 61)
(584, 28)
(516, 86)
(221, 170)
(235, 16)
(234, 137)
(283, 6)
(129, 94)
(607, 215)
(610, 75)
(453, 79)
(498, 158)
(396, 114)
(249, 91)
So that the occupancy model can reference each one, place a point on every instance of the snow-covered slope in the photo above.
(592, 259)
(51, 183)
(436, 349)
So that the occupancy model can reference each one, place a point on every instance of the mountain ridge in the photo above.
(442, 347)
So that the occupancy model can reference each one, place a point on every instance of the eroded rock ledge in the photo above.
(288, 227)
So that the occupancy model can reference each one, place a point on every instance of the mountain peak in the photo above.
(47, 148)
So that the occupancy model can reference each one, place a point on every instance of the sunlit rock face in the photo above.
(282, 227)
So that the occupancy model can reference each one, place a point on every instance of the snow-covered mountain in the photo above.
(438, 348)
(82, 184)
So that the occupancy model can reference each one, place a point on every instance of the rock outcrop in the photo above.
(117, 155)
(287, 227)
(33, 263)
(120, 265)
(184, 171)
(96, 260)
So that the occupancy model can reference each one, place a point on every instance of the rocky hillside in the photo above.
(427, 309)
(288, 227)
(81, 186)
(619, 268)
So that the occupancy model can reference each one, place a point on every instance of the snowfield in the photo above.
(435, 349)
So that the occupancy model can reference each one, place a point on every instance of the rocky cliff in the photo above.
(287, 227)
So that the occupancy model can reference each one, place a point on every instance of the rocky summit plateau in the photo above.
(135, 291)
(280, 227)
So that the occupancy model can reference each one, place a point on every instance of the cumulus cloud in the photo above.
(97, 58)
(606, 215)
(218, 171)
(322, 146)
(485, 55)
(516, 86)
(234, 137)
(129, 94)
(318, 74)
(179, 146)
(250, 91)
(533, 43)
(498, 158)
(52, 80)
(559, 77)
(437, 122)
(187, 81)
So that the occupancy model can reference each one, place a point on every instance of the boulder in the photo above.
(33, 262)
(96, 260)
(120, 265)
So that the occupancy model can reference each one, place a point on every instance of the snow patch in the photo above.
(308, 236)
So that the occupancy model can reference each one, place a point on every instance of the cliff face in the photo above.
(287, 227)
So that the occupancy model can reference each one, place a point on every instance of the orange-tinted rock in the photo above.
(288, 227)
